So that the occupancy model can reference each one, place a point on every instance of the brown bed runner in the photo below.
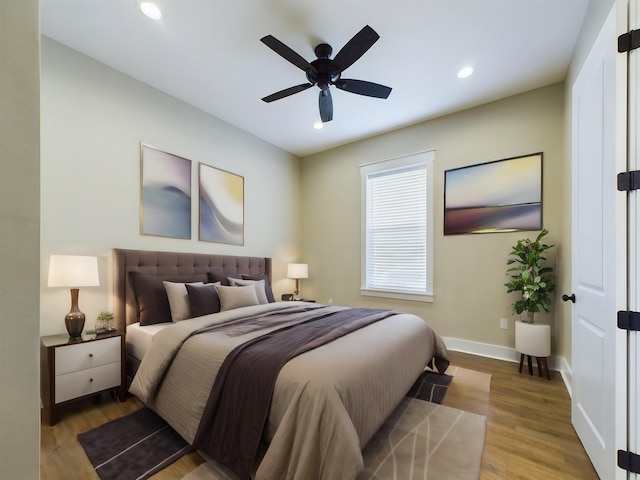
(236, 412)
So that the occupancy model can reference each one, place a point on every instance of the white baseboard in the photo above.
(507, 354)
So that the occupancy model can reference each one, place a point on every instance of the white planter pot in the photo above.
(533, 339)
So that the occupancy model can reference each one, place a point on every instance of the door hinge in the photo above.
(628, 181)
(629, 41)
(628, 320)
(629, 461)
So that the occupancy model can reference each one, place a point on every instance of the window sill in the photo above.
(415, 297)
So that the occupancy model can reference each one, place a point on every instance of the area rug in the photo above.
(132, 447)
(472, 381)
(423, 440)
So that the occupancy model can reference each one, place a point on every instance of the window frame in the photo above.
(427, 158)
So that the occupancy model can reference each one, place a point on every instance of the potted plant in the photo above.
(530, 277)
(535, 284)
(104, 322)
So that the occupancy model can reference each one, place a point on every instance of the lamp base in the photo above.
(74, 321)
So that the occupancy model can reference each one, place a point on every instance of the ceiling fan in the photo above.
(325, 72)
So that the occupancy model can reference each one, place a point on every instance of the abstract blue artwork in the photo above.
(221, 206)
(165, 208)
(500, 196)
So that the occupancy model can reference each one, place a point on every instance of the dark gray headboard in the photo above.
(172, 264)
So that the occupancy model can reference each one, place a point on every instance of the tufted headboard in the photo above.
(172, 264)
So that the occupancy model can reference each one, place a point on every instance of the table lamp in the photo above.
(73, 271)
(297, 271)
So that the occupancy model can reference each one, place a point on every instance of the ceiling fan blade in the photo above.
(287, 53)
(326, 105)
(361, 87)
(355, 48)
(286, 92)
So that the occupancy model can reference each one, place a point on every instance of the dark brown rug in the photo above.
(430, 386)
(132, 447)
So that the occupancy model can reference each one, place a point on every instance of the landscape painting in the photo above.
(500, 196)
(165, 208)
(221, 206)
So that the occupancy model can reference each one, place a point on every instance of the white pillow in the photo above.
(236, 297)
(258, 284)
(178, 300)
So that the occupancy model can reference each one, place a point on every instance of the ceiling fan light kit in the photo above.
(324, 71)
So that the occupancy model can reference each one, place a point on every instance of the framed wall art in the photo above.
(165, 207)
(499, 196)
(221, 206)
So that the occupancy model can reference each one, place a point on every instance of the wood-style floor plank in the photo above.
(529, 432)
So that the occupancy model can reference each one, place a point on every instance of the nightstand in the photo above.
(73, 369)
(288, 297)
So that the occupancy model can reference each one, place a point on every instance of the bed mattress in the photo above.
(139, 338)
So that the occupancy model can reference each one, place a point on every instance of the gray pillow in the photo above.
(267, 284)
(178, 300)
(258, 285)
(236, 297)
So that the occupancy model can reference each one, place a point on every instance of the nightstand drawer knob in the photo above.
(91, 355)
(91, 380)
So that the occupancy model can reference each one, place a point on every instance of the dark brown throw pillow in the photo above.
(215, 277)
(152, 303)
(203, 299)
(267, 285)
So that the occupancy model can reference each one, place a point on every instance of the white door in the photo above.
(598, 247)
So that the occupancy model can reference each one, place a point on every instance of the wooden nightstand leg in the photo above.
(521, 362)
(54, 415)
(530, 366)
(122, 393)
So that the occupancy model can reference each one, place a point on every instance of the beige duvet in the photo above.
(327, 402)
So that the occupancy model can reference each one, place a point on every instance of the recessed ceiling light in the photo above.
(151, 10)
(465, 72)
(318, 125)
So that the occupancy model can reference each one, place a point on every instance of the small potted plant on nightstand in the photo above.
(104, 322)
(534, 281)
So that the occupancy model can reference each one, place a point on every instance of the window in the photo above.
(397, 233)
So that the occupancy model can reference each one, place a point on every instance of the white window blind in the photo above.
(396, 239)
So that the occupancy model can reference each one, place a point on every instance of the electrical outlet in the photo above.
(331, 301)
(504, 324)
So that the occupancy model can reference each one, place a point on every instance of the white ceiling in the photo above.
(208, 53)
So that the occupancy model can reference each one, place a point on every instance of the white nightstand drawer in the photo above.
(84, 382)
(72, 358)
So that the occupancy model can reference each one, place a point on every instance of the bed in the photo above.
(326, 402)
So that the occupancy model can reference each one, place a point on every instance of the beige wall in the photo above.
(93, 120)
(19, 239)
(469, 270)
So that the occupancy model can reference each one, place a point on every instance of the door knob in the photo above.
(572, 297)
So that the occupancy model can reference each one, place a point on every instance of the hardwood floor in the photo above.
(529, 432)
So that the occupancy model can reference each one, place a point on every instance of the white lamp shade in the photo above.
(297, 270)
(73, 271)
